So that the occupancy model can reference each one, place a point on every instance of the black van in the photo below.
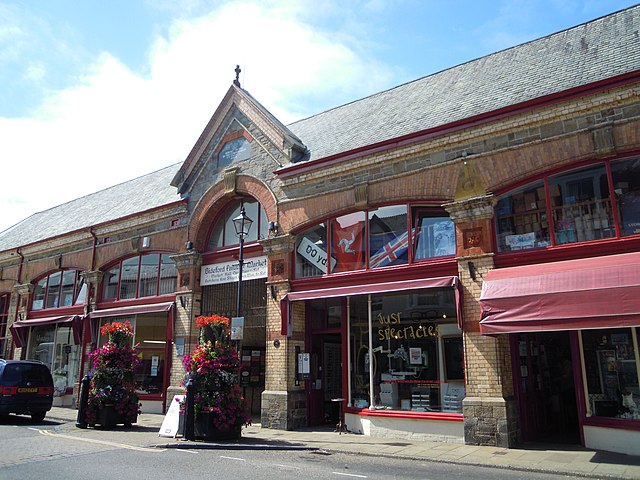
(26, 387)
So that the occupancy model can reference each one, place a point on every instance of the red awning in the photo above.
(123, 312)
(20, 329)
(600, 292)
(132, 310)
(368, 289)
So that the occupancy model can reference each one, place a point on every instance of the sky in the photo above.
(94, 93)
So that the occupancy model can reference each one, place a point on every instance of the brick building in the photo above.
(453, 259)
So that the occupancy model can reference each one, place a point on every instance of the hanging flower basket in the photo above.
(112, 399)
(213, 365)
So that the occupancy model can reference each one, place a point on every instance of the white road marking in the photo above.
(186, 451)
(289, 467)
(234, 458)
(102, 442)
(349, 474)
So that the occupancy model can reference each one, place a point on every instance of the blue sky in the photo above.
(95, 92)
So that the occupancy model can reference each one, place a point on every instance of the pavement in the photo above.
(565, 459)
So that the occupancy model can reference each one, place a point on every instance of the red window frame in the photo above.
(137, 285)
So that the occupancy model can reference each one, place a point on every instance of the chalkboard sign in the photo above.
(453, 358)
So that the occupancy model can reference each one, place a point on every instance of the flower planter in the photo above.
(108, 417)
(204, 429)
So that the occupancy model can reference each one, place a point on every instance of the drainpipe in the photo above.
(83, 344)
(15, 317)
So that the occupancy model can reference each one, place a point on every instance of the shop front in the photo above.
(54, 341)
(153, 335)
(574, 337)
(387, 358)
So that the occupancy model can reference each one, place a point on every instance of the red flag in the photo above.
(347, 246)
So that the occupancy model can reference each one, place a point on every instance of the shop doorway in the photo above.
(544, 384)
(325, 379)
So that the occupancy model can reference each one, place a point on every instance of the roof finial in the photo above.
(237, 80)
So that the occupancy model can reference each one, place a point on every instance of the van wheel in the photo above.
(38, 416)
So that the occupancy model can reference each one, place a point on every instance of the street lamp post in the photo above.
(242, 224)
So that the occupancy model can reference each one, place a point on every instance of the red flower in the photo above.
(214, 320)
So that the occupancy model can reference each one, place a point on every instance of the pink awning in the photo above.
(20, 329)
(366, 289)
(123, 312)
(600, 292)
(132, 310)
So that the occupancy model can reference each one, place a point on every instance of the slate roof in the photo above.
(138, 195)
(596, 50)
(587, 53)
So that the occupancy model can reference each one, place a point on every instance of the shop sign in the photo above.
(315, 255)
(227, 272)
(391, 327)
(522, 241)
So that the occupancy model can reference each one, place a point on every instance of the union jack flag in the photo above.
(390, 251)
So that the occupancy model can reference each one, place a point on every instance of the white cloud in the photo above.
(114, 124)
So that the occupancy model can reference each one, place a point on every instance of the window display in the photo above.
(376, 238)
(521, 219)
(149, 336)
(388, 237)
(626, 186)
(348, 242)
(54, 346)
(415, 356)
(435, 235)
(611, 370)
(581, 206)
(577, 203)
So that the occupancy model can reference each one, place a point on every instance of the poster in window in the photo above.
(453, 358)
(444, 238)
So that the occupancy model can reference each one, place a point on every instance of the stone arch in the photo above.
(215, 200)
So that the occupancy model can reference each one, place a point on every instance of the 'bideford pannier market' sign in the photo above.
(227, 272)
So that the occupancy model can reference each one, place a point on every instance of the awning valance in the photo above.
(123, 312)
(599, 292)
(132, 310)
(20, 329)
(366, 289)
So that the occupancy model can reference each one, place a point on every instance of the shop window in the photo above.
(435, 234)
(54, 346)
(626, 185)
(311, 252)
(521, 219)
(348, 242)
(415, 357)
(388, 236)
(150, 337)
(63, 288)
(140, 276)
(581, 206)
(223, 233)
(611, 364)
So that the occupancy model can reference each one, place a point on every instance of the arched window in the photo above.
(591, 203)
(141, 276)
(224, 234)
(63, 288)
(380, 237)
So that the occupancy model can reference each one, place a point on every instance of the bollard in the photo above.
(189, 415)
(84, 400)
